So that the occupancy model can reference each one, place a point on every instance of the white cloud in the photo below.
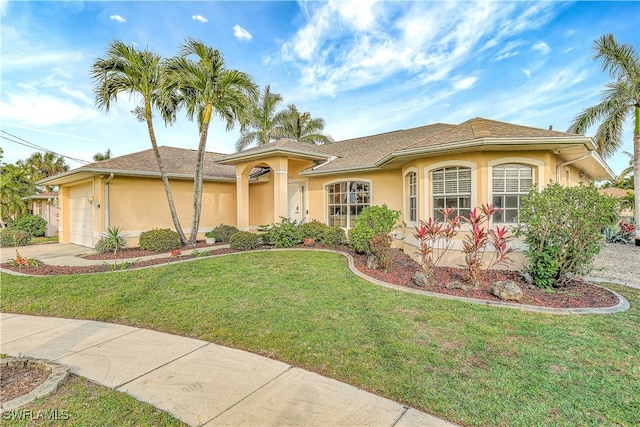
(527, 73)
(465, 83)
(118, 19)
(241, 33)
(348, 45)
(199, 18)
(43, 110)
(541, 47)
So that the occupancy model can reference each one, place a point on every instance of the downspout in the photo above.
(106, 202)
(561, 165)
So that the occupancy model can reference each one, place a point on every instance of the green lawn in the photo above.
(81, 403)
(468, 363)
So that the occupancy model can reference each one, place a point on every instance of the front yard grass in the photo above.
(468, 363)
(79, 402)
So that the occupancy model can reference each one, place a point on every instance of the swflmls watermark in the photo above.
(30, 415)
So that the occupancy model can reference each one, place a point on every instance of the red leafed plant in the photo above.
(475, 243)
(434, 238)
(21, 261)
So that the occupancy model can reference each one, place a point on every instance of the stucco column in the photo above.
(280, 194)
(242, 199)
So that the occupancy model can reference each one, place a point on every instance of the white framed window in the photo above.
(451, 188)
(412, 196)
(346, 200)
(509, 182)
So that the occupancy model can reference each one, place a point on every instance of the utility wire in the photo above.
(37, 147)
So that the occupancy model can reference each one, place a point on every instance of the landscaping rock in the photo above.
(421, 279)
(458, 285)
(372, 262)
(507, 290)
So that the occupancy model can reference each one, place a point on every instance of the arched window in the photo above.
(412, 196)
(451, 188)
(509, 183)
(346, 200)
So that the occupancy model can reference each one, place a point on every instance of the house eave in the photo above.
(82, 174)
(233, 159)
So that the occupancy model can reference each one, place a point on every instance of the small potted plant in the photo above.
(210, 237)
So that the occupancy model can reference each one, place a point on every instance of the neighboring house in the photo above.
(416, 171)
(619, 193)
(46, 206)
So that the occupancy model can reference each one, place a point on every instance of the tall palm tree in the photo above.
(98, 157)
(262, 122)
(301, 127)
(620, 99)
(205, 88)
(139, 73)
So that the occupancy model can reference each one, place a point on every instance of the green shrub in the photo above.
(10, 237)
(244, 241)
(313, 230)
(33, 224)
(332, 237)
(224, 232)
(111, 241)
(563, 230)
(159, 240)
(372, 220)
(287, 234)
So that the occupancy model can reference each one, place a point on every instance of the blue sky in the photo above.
(365, 67)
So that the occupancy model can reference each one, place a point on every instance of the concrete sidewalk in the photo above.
(198, 382)
(68, 254)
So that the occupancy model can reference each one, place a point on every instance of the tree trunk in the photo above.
(163, 174)
(197, 180)
(636, 172)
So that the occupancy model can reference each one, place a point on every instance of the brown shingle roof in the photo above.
(177, 162)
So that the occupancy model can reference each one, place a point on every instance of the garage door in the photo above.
(81, 215)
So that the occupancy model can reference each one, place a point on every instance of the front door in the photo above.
(297, 208)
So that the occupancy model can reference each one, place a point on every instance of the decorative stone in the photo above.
(507, 290)
(58, 373)
(421, 279)
(454, 284)
(372, 262)
(308, 241)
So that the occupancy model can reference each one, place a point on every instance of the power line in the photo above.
(37, 147)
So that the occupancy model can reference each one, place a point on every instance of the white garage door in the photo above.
(81, 215)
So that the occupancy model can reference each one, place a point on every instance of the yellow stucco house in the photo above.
(416, 171)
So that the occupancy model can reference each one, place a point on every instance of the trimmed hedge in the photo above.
(159, 240)
(10, 237)
(224, 232)
(33, 224)
(244, 241)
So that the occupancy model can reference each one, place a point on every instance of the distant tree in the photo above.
(137, 72)
(620, 100)
(260, 126)
(15, 184)
(302, 127)
(98, 157)
(201, 83)
(43, 165)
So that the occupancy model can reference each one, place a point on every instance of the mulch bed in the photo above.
(402, 267)
(16, 381)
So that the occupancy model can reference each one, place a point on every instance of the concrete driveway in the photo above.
(50, 253)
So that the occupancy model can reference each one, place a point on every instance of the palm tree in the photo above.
(15, 185)
(139, 73)
(620, 99)
(205, 87)
(43, 165)
(301, 127)
(98, 157)
(262, 122)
